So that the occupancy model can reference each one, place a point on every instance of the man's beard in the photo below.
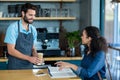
(26, 20)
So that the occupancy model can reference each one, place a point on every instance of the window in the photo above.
(109, 22)
(112, 34)
(119, 22)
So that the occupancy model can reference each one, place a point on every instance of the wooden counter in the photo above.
(3, 59)
(51, 58)
(28, 75)
(62, 58)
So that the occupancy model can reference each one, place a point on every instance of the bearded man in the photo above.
(20, 38)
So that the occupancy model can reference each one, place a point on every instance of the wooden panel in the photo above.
(1, 51)
(2, 44)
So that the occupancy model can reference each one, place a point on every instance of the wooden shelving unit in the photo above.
(39, 0)
(40, 18)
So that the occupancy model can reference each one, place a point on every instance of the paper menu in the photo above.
(64, 73)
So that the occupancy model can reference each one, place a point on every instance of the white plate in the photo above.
(40, 64)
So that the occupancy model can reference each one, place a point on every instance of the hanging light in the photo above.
(116, 1)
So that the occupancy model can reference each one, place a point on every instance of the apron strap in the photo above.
(31, 29)
(19, 27)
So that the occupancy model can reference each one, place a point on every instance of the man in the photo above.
(20, 38)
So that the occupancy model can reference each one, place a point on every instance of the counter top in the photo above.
(51, 58)
(28, 75)
(3, 59)
(62, 58)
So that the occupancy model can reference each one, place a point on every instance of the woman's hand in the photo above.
(66, 65)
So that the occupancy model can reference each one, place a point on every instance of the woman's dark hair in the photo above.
(98, 42)
(27, 6)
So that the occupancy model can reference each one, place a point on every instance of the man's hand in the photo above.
(35, 60)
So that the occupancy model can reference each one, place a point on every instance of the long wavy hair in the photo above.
(98, 42)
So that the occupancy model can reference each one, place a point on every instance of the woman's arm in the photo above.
(97, 64)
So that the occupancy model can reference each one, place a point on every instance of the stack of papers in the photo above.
(64, 73)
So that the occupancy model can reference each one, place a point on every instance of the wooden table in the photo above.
(28, 75)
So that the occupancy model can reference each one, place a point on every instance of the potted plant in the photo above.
(74, 40)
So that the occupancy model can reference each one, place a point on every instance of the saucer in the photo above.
(39, 64)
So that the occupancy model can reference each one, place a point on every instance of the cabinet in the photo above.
(3, 65)
(40, 18)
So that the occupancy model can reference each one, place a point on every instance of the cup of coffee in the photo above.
(40, 55)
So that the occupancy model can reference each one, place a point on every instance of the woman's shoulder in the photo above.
(100, 53)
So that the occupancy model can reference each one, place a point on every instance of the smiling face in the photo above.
(29, 16)
(85, 39)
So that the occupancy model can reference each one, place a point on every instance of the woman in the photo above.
(93, 63)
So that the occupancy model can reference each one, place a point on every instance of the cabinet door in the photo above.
(3, 65)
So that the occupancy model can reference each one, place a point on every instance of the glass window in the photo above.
(109, 22)
(116, 23)
(119, 22)
(112, 34)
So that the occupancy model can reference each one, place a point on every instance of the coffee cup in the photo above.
(40, 56)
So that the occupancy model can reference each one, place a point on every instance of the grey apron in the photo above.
(24, 44)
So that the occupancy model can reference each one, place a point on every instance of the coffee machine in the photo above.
(44, 44)
(47, 43)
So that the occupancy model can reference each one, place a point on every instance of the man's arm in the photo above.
(34, 52)
(13, 52)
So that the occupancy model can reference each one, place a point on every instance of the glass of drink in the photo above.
(40, 55)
